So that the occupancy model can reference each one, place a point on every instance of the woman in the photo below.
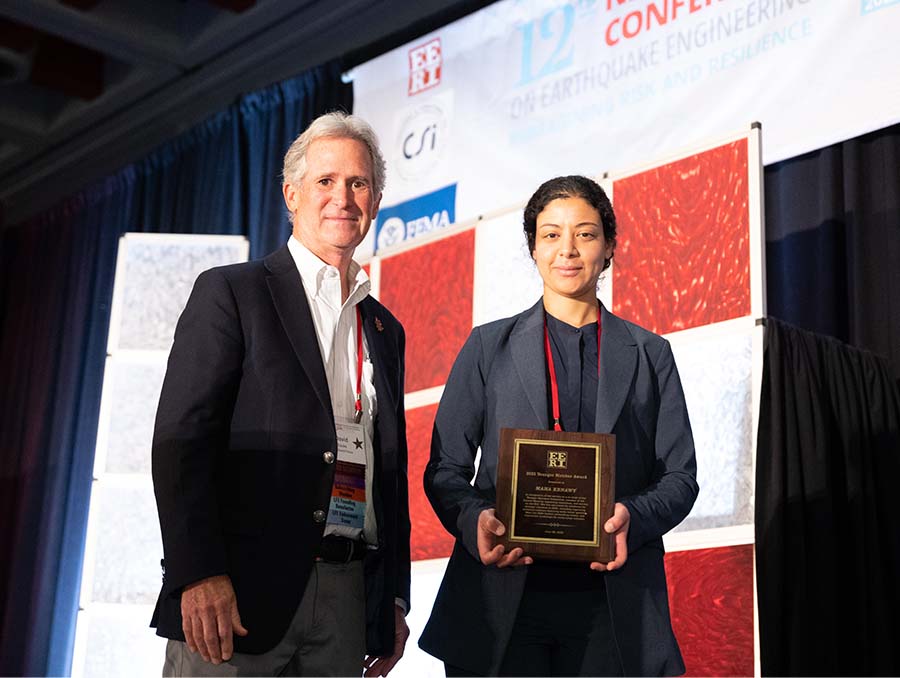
(505, 613)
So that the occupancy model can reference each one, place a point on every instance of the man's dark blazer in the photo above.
(499, 380)
(239, 463)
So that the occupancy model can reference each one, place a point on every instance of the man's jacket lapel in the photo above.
(290, 302)
(380, 354)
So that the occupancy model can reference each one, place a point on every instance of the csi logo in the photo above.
(421, 141)
(557, 459)
(425, 66)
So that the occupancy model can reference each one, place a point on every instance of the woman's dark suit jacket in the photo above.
(499, 380)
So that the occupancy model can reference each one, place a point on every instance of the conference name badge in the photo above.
(348, 494)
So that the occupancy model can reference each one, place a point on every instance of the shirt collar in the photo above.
(313, 271)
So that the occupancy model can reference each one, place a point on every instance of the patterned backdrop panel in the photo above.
(429, 538)
(131, 392)
(683, 255)
(716, 373)
(157, 278)
(126, 524)
(430, 290)
(711, 601)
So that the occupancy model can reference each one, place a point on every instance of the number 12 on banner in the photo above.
(554, 34)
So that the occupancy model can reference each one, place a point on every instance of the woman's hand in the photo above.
(491, 553)
(617, 525)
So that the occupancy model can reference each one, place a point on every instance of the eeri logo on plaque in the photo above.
(557, 459)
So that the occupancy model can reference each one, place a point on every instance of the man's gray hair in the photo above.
(340, 125)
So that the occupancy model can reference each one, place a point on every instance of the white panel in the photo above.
(128, 545)
(427, 396)
(426, 580)
(716, 373)
(158, 275)
(506, 278)
(130, 396)
(117, 642)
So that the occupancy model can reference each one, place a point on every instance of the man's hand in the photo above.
(617, 525)
(491, 553)
(209, 616)
(381, 666)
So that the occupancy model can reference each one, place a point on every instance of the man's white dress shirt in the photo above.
(335, 324)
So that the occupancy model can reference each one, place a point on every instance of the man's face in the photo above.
(334, 204)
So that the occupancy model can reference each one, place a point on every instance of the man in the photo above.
(279, 453)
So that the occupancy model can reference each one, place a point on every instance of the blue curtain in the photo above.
(56, 277)
(833, 242)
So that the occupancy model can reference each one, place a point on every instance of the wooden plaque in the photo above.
(555, 491)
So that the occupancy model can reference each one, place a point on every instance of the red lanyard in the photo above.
(554, 388)
(359, 364)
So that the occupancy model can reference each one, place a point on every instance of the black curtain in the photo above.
(827, 522)
(827, 528)
(56, 276)
(833, 242)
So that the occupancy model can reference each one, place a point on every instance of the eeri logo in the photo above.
(557, 459)
(425, 66)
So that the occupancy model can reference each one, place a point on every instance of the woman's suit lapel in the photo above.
(526, 343)
(618, 365)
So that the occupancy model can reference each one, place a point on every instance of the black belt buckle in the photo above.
(349, 545)
(336, 549)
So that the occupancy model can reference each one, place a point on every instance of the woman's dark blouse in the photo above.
(574, 352)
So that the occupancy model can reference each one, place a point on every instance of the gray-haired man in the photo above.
(282, 496)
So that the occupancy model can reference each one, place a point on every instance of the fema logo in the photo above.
(415, 218)
(421, 142)
(391, 232)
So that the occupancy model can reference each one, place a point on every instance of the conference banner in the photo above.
(524, 90)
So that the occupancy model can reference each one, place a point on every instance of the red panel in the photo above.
(711, 599)
(683, 255)
(429, 538)
(429, 289)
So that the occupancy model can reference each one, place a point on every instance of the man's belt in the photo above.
(335, 549)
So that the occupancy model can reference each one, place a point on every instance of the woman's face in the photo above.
(569, 247)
